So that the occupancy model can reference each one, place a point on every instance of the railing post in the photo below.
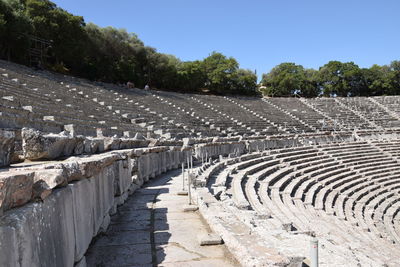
(183, 176)
(189, 189)
(314, 252)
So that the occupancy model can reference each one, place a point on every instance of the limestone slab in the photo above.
(132, 255)
(123, 238)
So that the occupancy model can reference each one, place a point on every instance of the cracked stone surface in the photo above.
(151, 229)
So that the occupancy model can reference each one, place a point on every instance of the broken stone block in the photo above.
(209, 239)
(111, 143)
(139, 136)
(9, 98)
(190, 208)
(7, 139)
(46, 180)
(93, 145)
(40, 146)
(15, 189)
(28, 108)
(70, 128)
(48, 118)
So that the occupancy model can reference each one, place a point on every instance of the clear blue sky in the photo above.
(259, 34)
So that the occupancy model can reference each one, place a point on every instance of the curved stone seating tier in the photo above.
(371, 111)
(324, 188)
(194, 123)
(200, 114)
(286, 121)
(59, 108)
(129, 106)
(223, 119)
(310, 117)
(253, 119)
(173, 115)
(344, 117)
(390, 102)
(273, 173)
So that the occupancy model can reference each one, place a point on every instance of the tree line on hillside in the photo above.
(109, 54)
(333, 79)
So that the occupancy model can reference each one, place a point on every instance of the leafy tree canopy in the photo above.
(109, 54)
(333, 79)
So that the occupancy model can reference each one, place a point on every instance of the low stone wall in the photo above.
(248, 145)
(47, 146)
(51, 212)
(213, 150)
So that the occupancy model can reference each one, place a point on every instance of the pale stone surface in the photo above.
(75, 213)
(209, 239)
(83, 201)
(103, 196)
(123, 176)
(190, 208)
(42, 146)
(31, 230)
(111, 178)
(152, 222)
(46, 180)
(37, 145)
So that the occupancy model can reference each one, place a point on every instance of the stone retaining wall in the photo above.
(51, 212)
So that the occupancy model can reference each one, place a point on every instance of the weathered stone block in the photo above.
(81, 263)
(8, 246)
(93, 145)
(111, 143)
(28, 234)
(6, 146)
(122, 177)
(39, 146)
(103, 195)
(83, 203)
(15, 189)
(46, 180)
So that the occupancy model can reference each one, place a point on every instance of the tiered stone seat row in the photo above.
(342, 117)
(48, 102)
(347, 193)
(37, 95)
(371, 111)
(391, 103)
(171, 104)
(240, 114)
(274, 114)
(310, 117)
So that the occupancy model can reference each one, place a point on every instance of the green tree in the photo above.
(191, 76)
(342, 79)
(245, 82)
(288, 79)
(309, 86)
(15, 28)
(220, 72)
(394, 77)
(65, 30)
(377, 80)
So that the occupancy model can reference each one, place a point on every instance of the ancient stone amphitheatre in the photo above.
(268, 175)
